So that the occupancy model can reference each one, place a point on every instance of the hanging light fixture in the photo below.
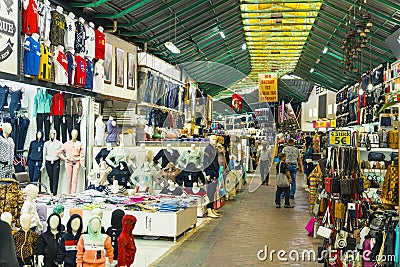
(244, 46)
(222, 34)
(171, 46)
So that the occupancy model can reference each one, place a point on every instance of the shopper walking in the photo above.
(264, 155)
(292, 159)
(282, 167)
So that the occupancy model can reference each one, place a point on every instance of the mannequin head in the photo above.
(71, 15)
(193, 147)
(59, 9)
(81, 20)
(54, 221)
(31, 191)
(94, 225)
(98, 212)
(35, 36)
(213, 140)
(47, 43)
(75, 224)
(39, 135)
(109, 146)
(6, 217)
(25, 221)
(74, 135)
(7, 129)
(91, 24)
(53, 135)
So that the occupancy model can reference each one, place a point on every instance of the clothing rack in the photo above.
(161, 74)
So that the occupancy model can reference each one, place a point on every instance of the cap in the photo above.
(58, 209)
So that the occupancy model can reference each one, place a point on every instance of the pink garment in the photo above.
(72, 152)
(72, 173)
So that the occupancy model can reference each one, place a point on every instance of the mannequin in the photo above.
(25, 242)
(80, 36)
(51, 161)
(143, 178)
(47, 243)
(70, 55)
(100, 131)
(41, 110)
(60, 64)
(32, 55)
(74, 160)
(8, 257)
(42, 213)
(193, 155)
(7, 152)
(166, 155)
(35, 157)
(195, 190)
(103, 153)
(316, 141)
(100, 43)
(69, 38)
(90, 42)
(44, 20)
(172, 189)
(120, 174)
(67, 249)
(126, 242)
(31, 191)
(6, 217)
(29, 10)
(112, 130)
(93, 238)
(170, 172)
(115, 156)
(80, 70)
(98, 81)
(115, 188)
(190, 175)
(211, 168)
(115, 230)
(95, 178)
(221, 153)
(57, 26)
(46, 55)
(144, 156)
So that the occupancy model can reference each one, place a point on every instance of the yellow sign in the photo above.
(340, 138)
(268, 87)
(333, 123)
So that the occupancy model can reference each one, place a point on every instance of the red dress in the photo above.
(126, 242)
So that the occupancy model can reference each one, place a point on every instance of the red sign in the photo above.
(237, 103)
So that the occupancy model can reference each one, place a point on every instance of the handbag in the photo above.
(282, 179)
(323, 230)
(376, 156)
(390, 188)
(339, 210)
(346, 187)
(394, 157)
(359, 185)
(310, 226)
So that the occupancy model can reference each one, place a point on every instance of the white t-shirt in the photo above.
(69, 36)
(44, 12)
(90, 43)
(98, 81)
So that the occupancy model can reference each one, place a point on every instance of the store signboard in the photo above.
(324, 124)
(268, 87)
(9, 36)
(339, 138)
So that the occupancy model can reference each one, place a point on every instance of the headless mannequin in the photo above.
(81, 20)
(36, 37)
(25, 239)
(29, 206)
(100, 131)
(71, 15)
(47, 43)
(7, 154)
(59, 9)
(169, 148)
(54, 223)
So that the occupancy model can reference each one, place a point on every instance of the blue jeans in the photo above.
(293, 171)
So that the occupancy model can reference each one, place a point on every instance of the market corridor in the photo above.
(247, 225)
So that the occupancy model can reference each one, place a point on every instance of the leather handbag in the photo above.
(376, 156)
(328, 184)
(390, 188)
(359, 185)
(339, 210)
(335, 187)
(346, 187)
(325, 231)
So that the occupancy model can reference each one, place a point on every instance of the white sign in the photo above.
(9, 36)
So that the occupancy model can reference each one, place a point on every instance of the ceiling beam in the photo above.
(93, 4)
(124, 12)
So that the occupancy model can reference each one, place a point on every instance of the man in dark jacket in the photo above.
(48, 242)
(115, 230)
(8, 258)
(67, 248)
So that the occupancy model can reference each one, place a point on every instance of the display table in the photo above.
(167, 224)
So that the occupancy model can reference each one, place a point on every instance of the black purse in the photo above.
(346, 187)
(360, 185)
(376, 156)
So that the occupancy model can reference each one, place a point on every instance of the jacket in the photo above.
(67, 246)
(73, 106)
(11, 198)
(8, 257)
(42, 102)
(74, 151)
(57, 105)
(102, 155)
(93, 248)
(166, 157)
(47, 243)
(126, 242)
(210, 162)
(121, 175)
(190, 175)
(25, 244)
(115, 230)
(36, 148)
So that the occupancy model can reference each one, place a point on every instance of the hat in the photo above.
(281, 155)
(58, 209)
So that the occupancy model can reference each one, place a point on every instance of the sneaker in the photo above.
(289, 207)
(278, 206)
(291, 197)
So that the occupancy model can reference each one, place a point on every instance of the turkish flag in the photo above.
(237, 103)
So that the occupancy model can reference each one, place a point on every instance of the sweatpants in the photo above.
(73, 123)
(53, 171)
(72, 173)
(60, 122)
(34, 169)
(43, 119)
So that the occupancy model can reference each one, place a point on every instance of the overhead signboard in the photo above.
(339, 138)
(9, 36)
(268, 87)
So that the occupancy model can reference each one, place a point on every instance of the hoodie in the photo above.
(36, 148)
(126, 242)
(94, 247)
(42, 102)
(67, 247)
(115, 230)
(8, 258)
(48, 243)
(42, 212)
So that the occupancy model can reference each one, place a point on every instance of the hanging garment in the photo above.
(11, 198)
(15, 100)
(42, 102)
(98, 80)
(190, 175)
(60, 67)
(90, 44)
(57, 28)
(100, 44)
(57, 105)
(71, 67)
(80, 72)
(29, 17)
(67, 249)
(80, 37)
(44, 12)
(99, 138)
(69, 37)
(73, 106)
(31, 56)
(89, 74)
(46, 58)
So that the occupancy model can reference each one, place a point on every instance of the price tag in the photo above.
(340, 138)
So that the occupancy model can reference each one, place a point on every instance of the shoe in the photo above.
(289, 207)
(291, 197)
(211, 214)
(266, 183)
(278, 206)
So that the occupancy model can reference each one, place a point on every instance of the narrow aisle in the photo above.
(248, 224)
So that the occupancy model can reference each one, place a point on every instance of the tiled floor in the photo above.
(248, 224)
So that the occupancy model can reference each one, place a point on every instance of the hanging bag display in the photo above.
(324, 230)
(281, 179)
(376, 156)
